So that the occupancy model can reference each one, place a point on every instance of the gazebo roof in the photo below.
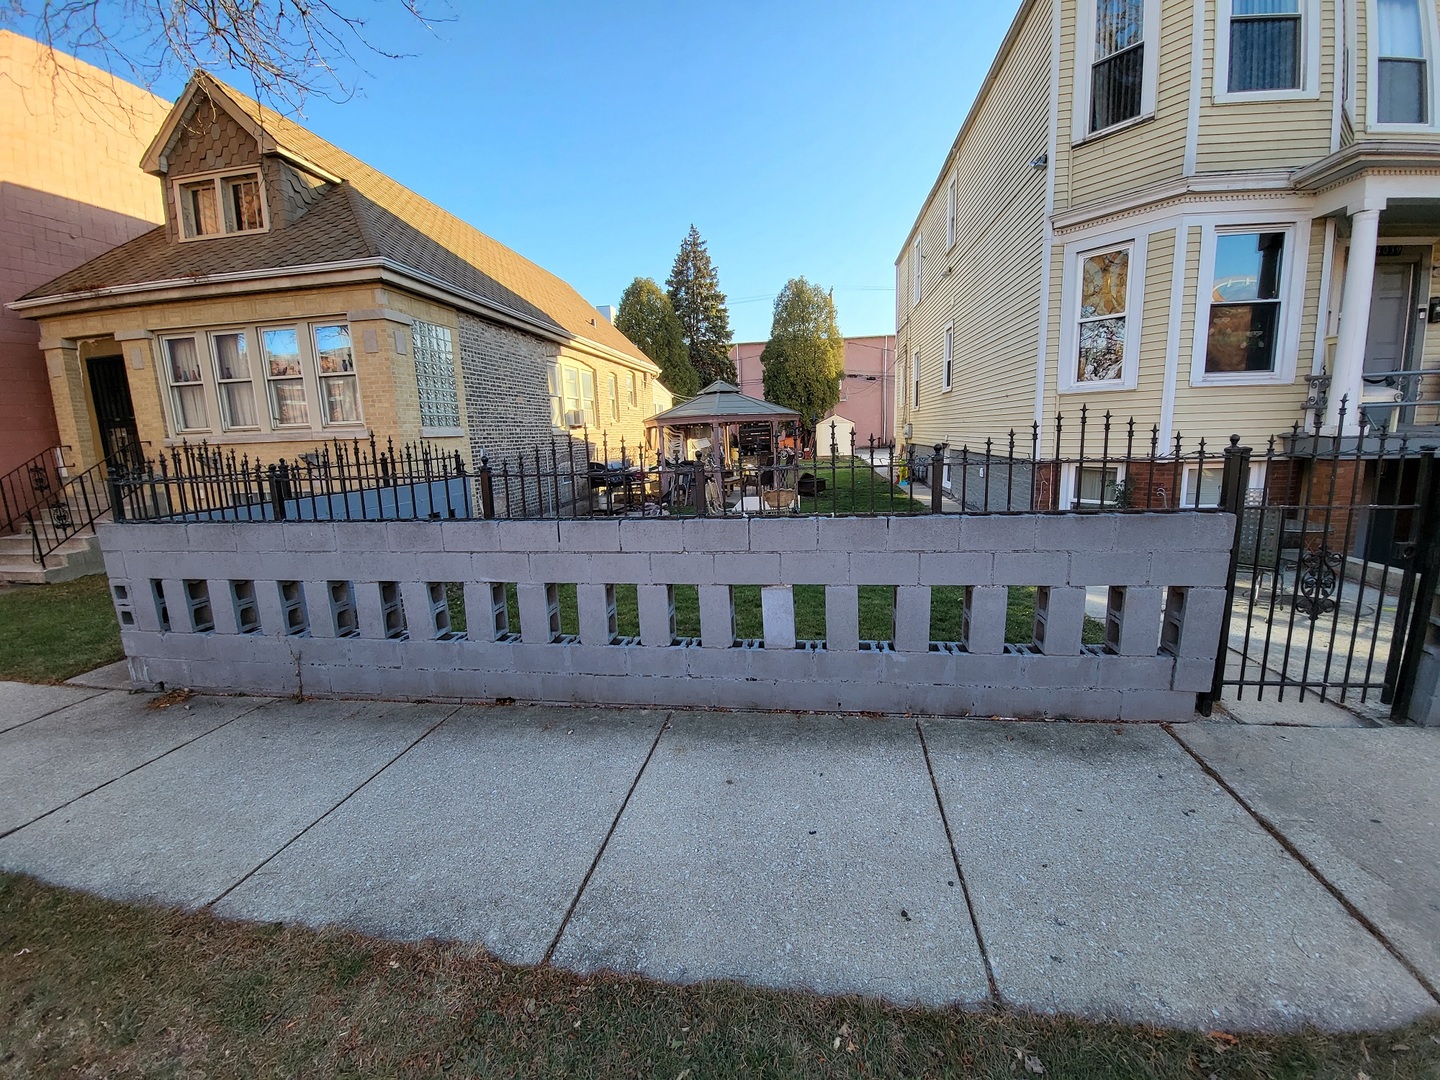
(721, 402)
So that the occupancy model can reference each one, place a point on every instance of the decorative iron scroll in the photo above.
(1316, 578)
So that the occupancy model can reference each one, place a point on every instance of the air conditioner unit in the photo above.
(909, 431)
(575, 418)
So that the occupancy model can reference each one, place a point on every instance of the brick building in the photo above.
(294, 296)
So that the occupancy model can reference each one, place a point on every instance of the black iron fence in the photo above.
(28, 486)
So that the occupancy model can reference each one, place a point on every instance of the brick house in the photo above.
(294, 295)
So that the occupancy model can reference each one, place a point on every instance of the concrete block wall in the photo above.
(1164, 575)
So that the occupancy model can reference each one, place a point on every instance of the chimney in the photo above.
(608, 310)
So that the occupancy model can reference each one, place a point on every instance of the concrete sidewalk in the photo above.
(1223, 876)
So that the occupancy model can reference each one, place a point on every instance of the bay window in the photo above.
(1245, 319)
(1102, 317)
(1402, 86)
(1117, 72)
(187, 389)
(234, 380)
(1264, 45)
(335, 364)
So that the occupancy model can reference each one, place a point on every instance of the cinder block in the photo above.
(657, 613)
(222, 606)
(985, 614)
(419, 616)
(1134, 672)
(272, 614)
(436, 565)
(842, 618)
(1032, 568)
(1200, 628)
(989, 669)
(784, 534)
(1063, 620)
(777, 609)
(1064, 704)
(1096, 568)
(115, 565)
(469, 535)
(527, 536)
(538, 615)
(597, 613)
(957, 568)
(1193, 676)
(786, 666)
(747, 569)
(715, 535)
(499, 566)
(997, 532)
(210, 536)
(662, 664)
(526, 659)
(1059, 672)
(931, 532)
(912, 618)
(260, 536)
(713, 663)
(305, 536)
(853, 534)
(594, 534)
(1077, 532)
(689, 568)
(931, 699)
(414, 536)
(717, 617)
(1140, 621)
(815, 567)
(896, 568)
(153, 536)
(1192, 568)
(1157, 705)
(485, 613)
(604, 660)
(646, 535)
(602, 568)
(363, 536)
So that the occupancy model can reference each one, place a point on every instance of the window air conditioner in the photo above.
(575, 418)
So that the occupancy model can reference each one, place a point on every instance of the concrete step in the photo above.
(22, 546)
(75, 558)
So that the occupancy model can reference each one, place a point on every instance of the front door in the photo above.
(1392, 316)
(114, 413)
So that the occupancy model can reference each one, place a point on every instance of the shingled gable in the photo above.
(354, 216)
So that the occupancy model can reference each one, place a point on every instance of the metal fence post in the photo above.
(700, 496)
(1428, 515)
(487, 490)
(1232, 501)
(937, 474)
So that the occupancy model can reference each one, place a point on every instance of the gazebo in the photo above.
(720, 409)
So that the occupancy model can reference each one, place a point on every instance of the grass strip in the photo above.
(50, 633)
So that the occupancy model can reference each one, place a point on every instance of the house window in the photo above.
(1201, 486)
(949, 366)
(915, 376)
(435, 375)
(1404, 86)
(187, 388)
(1097, 486)
(613, 384)
(1264, 45)
(1100, 337)
(951, 201)
(1117, 74)
(915, 257)
(285, 377)
(219, 205)
(1245, 316)
(335, 365)
(234, 380)
(572, 390)
(630, 394)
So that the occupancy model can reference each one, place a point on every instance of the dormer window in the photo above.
(220, 205)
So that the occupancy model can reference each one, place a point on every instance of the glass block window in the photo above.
(435, 375)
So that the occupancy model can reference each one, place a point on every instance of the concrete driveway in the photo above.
(1217, 876)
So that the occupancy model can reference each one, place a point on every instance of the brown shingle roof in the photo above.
(369, 215)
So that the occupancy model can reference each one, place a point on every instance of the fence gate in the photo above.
(1334, 567)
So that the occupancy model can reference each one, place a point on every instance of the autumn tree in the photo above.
(804, 360)
(647, 318)
(694, 290)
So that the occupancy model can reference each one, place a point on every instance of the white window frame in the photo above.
(561, 402)
(630, 393)
(1255, 481)
(1292, 299)
(947, 368)
(207, 391)
(216, 179)
(952, 208)
(1075, 256)
(1070, 483)
(250, 353)
(1085, 61)
(1430, 29)
(438, 363)
(1309, 88)
(917, 274)
(612, 390)
(915, 379)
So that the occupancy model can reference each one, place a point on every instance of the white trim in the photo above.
(1322, 313)
(1254, 188)
(1070, 479)
(1134, 245)
(1084, 63)
(214, 180)
(1292, 298)
(1047, 232)
(1338, 73)
(947, 358)
(1309, 88)
(952, 212)
(915, 379)
(1428, 29)
(917, 272)
(1255, 481)
(1197, 80)
(1178, 282)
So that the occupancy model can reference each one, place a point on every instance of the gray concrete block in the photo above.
(305, 536)
(912, 618)
(1061, 703)
(1193, 676)
(646, 535)
(210, 536)
(272, 615)
(115, 565)
(996, 669)
(1135, 672)
(747, 569)
(1077, 532)
(895, 568)
(714, 535)
(717, 616)
(1064, 621)
(1192, 568)
(1102, 568)
(603, 568)
(689, 568)
(319, 609)
(957, 568)
(853, 534)
(1140, 621)
(596, 604)
(1044, 672)
(1031, 568)
(814, 567)
(362, 536)
(528, 536)
(484, 622)
(1200, 628)
(413, 536)
(997, 532)
(505, 566)
(593, 534)
(842, 618)
(931, 533)
(606, 660)
(777, 609)
(784, 534)
(468, 535)
(536, 626)
(657, 613)
(222, 606)
(150, 536)
(661, 664)
(707, 663)
(260, 536)
(420, 619)
(985, 614)
(1157, 705)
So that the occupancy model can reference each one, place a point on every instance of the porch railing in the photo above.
(29, 485)
(75, 505)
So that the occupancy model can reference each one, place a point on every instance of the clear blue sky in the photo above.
(799, 137)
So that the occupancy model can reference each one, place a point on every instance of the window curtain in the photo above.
(1117, 76)
(187, 391)
(237, 395)
(1264, 45)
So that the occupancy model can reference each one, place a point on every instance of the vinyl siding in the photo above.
(988, 283)
(1265, 134)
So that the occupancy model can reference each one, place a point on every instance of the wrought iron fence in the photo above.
(30, 485)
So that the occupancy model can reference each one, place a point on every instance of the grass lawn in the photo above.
(853, 487)
(91, 987)
(49, 633)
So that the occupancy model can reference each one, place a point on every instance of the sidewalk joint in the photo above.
(1314, 871)
(58, 709)
(283, 847)
(615, 824)
(995, 997)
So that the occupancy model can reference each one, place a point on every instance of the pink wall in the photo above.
(868, 398)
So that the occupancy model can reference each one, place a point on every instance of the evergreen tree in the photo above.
(695, 293)
(647, 318)
(804, 360)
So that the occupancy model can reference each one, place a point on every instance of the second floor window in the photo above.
(1117, 74)
(1264, 45)
(1403, 94)
(948, 371)
(219, 205)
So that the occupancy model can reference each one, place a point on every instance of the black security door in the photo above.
(114, 412)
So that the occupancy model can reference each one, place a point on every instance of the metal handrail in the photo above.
(29, 485)
(75, 505)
